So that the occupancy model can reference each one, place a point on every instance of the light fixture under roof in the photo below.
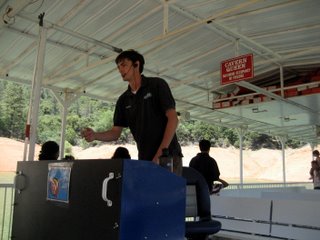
(257, 110)
(288, 118)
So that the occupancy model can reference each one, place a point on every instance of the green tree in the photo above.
(87, 112)
(184, 133)
(49, 121)
(49, 128)
(13, 110)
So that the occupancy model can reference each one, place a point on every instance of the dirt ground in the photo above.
(261, 165)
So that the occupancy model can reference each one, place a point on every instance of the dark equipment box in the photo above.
(98, 199)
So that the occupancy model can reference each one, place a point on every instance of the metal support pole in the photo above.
(241, 131)
(165, 17)
(63, 129)
(27, 131)
(36, 87)
(241, 160)
(69, 98)
(281, 81)
(236, 50)
(282, 140)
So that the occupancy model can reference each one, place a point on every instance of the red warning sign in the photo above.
(237, 69)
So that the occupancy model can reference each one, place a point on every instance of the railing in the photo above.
(292, 217)
(7, 198)
(6, 205)
(307, 185)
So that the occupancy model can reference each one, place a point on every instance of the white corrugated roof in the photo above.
(184, 42)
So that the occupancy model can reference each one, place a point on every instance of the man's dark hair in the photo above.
(315, 153)
(133, 56)
(204, 145)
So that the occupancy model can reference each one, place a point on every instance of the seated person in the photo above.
(69, 157)
(315, 174)
(208, 167)
(121, 153)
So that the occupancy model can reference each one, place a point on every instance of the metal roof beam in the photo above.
(248, 41)
(229, 34)
(200, 22)
(54, 43)
(274, 96)
(73, 33)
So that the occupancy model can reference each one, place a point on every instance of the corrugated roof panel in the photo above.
(82, 35)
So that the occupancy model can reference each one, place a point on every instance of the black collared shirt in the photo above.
(207, 166)
(144, 113)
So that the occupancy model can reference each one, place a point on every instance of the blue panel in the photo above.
(153, 202)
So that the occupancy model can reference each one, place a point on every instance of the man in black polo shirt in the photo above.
(147, 107)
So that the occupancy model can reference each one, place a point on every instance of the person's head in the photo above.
(132, 58)
(204, 145)
(121, 152)
(315, 153)
(69, 157)
(49, 151)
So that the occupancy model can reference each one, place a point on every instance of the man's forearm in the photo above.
(170, 130)
(107, 136)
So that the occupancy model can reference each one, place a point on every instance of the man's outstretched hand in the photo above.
(88, 134)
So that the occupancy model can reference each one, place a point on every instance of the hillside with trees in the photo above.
(98, 114)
